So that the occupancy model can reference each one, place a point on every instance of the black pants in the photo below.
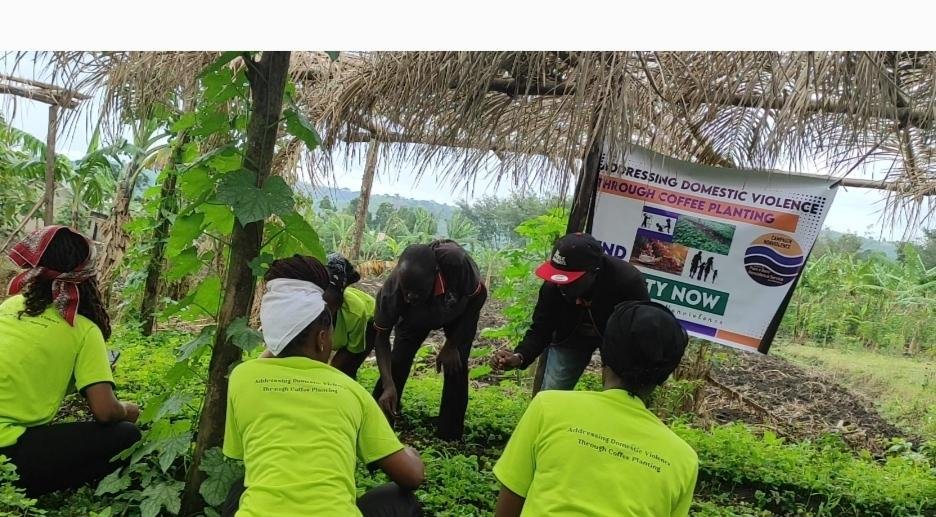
(407, 340)
(387, 500)
(67, 456)
(349, 362)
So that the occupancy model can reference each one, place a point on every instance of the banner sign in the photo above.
(720, 247)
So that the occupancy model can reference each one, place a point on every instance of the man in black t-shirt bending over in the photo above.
(434, 286)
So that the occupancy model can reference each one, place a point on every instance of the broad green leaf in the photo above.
(162, 495)
(250, 204)
(195, 182)
(172, 448)
(195, 346)
(179, 371)
(189, 152)
(184, 122)
(223, 59)
(300, 229)
(173, 405)
(479, 371)
(210, 122)
(243, 336)
(300, 127)
(185, 230)
(208, 295)
(260, 264)
(183, 264)
(332, 54)
(113, 483)
(148, 414)
(140, 224)
(175, 307)
(218, 218)
(222, 473)
(227, 160)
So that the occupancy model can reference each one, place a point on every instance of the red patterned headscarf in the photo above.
(28, 253)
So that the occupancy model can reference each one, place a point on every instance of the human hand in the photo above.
(388, 402)
(449, 359)
(133, 412)
(506, 360)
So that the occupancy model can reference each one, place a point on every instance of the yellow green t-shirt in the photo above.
(300, 425)
(40, 358)
(351, 325)
(597, 454)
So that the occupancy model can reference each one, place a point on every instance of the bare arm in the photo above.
(106, 408)
(405, 468)
(382, 351)
(509, 504)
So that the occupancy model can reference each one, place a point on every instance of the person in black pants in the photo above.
(52, 340)
(434, 286)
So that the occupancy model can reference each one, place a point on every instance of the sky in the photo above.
(854, 210)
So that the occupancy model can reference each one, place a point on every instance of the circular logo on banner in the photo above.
(773, 259)
(559, 278)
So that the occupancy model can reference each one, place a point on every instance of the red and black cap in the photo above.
(572, 256)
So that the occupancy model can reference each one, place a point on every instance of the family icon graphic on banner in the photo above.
(700, 268)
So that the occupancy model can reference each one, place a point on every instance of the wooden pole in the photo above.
(49, 216)
(360, 218)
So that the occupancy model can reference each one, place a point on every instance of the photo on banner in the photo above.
(721, 247)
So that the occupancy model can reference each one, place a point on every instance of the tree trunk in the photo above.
(49, 217)
(360, 218)
(267, 82)
(114, 237)
(168, 204)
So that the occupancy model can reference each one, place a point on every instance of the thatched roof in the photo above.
(537, 111)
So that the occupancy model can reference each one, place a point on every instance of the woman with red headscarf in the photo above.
(52, 333)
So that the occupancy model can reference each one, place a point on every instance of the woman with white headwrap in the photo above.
(299, 424)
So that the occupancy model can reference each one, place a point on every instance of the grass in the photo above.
(903, 388)
(742, 472)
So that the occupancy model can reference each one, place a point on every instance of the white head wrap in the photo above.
(287, 308)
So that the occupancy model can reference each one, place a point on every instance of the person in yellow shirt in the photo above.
(603, 453)
(301, 425)
(52, 334)
(352, 312)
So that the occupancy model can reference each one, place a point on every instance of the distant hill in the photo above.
(341, 197)
(873, 245)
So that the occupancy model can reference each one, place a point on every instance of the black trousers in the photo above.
(407, 340)
(387, 500)
(349, 362)
(67, 456)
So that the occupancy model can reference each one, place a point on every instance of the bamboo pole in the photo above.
(49, 216)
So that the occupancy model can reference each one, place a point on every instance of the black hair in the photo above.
(66, 251)
(417, 266)
(309, 269)
(643, 345)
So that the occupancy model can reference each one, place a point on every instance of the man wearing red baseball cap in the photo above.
(581, 287)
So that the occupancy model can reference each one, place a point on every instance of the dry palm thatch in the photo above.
(531, 116)
(747, 109)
